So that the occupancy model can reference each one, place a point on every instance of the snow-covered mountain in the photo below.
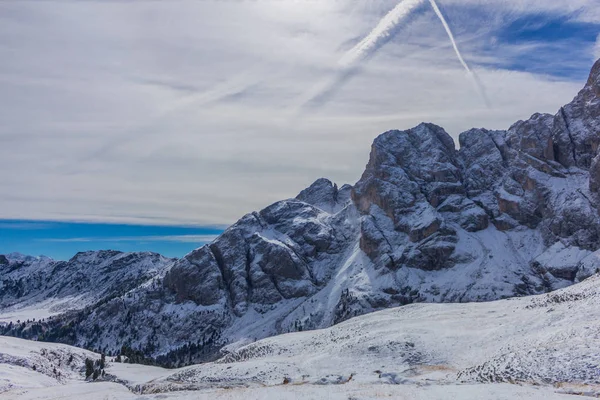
(509, 213)
(536, 347)
(39, 287)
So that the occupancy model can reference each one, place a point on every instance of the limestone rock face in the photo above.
(264, 258)
(576, 130)
(509, 213)
(595, 175)
(533, 137)
(325, 195)
(481, 152)
(406, 167)
(409, 174)
(197, 277)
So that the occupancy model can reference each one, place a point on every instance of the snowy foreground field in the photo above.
(545, 347)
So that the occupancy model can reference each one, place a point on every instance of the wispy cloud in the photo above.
(477, 83)
(382, 32)
(350, 62)
(370, 44)
(24, 225)
(200, 239)
(177, 114)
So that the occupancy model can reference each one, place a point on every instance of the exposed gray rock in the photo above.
(595, 175)
(409, 174)
(196, 277)
(463, 211)
(483, 161)
(576, 130)
(533, 136)
(325, 195)
(588, 266)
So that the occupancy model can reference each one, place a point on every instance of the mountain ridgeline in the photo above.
(509, 213)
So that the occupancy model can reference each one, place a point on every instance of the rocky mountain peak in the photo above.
(594, 79)
(405, 166)
(576, 130)
(326, 195)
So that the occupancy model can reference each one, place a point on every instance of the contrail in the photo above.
(438, 12)
(380, 34)
(475, 78)
(350, 62)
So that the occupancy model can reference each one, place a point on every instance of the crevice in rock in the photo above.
(274, 282)
(256, 216)
(300, 257)
(384, 238)
(250, 286)
(502, 155)
(222, 268)
(586, 197)
(568, 129)
(335, 194)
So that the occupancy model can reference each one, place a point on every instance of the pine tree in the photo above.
(89, 367)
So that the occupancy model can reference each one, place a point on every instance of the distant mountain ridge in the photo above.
(510, 213)
(84, 280)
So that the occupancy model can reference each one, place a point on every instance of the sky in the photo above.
(62, 240)
(172, 118)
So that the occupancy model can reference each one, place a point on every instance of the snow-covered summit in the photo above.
(15, 256)
(326, 195)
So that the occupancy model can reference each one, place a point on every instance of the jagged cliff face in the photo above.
(509, 213)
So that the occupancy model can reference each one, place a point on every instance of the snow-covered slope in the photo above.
(510, 213)
(549, 339)
(27, 364)
(536, 347)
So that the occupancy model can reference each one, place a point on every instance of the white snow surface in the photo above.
(540, 347)
(37, 311)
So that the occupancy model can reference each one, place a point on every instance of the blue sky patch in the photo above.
(61, 240)
(548, 28)
(547, 44)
